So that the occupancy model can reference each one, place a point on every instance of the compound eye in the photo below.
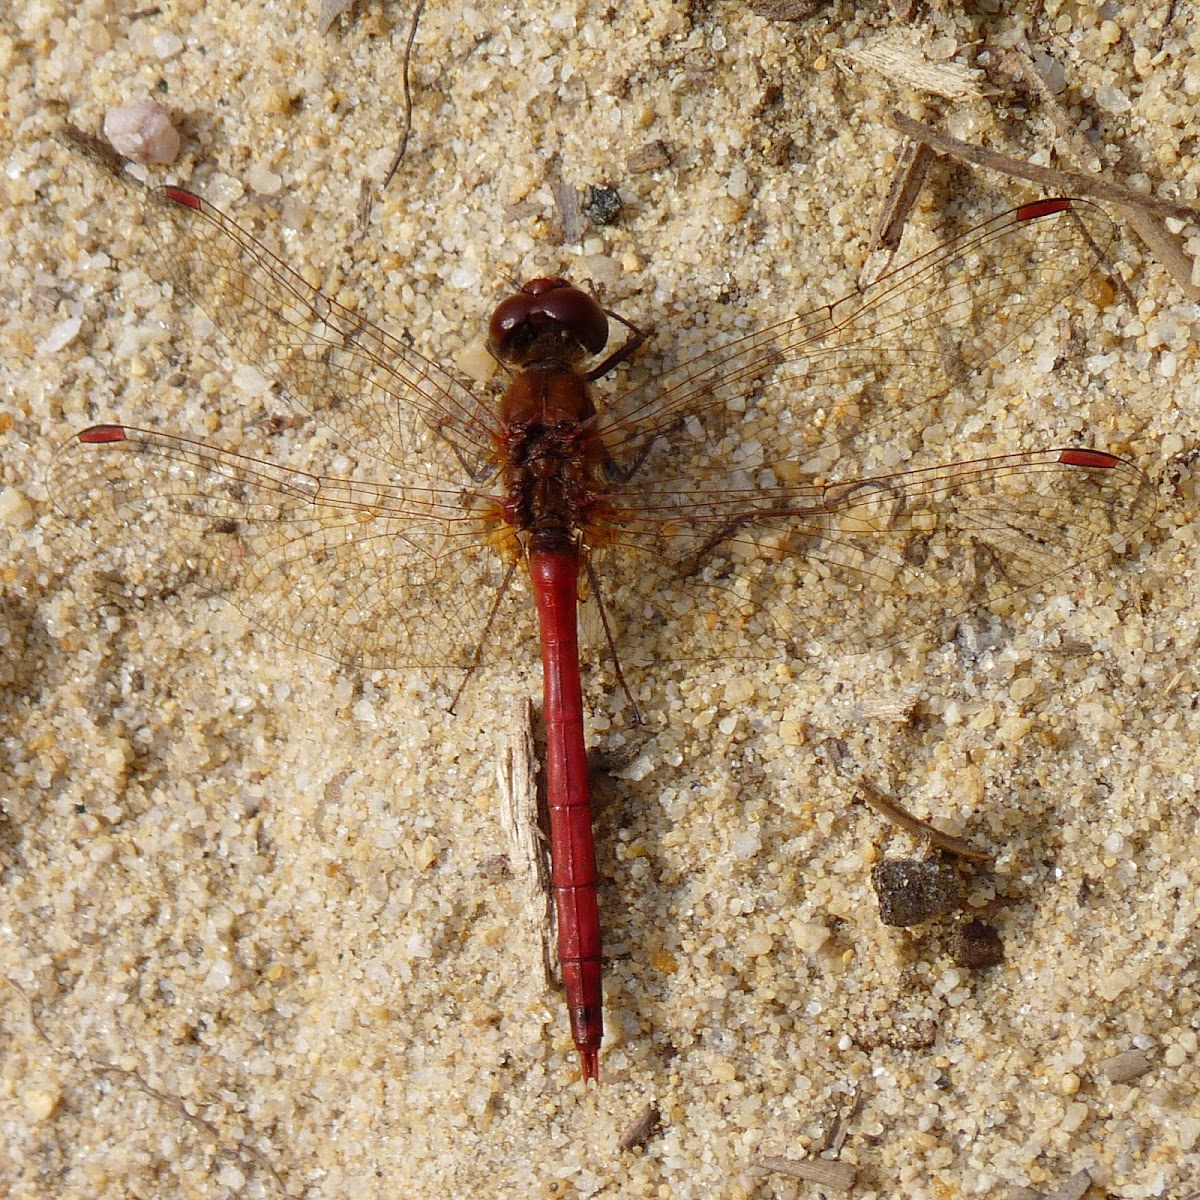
(577, 311)
(509, 316)
(541, 306)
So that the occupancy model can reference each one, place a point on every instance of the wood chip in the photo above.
(570, 212)
(896, 706)
(366, 194)
(907, 181)
(829, 1173)
(518, 772)
(894, 57)
(653, 156)
(1121, 1068)
(640, 1128)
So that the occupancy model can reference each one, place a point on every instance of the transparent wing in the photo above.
(379, 395)
(907, 339)
(372, 574)
(707, 514)
(895, 555)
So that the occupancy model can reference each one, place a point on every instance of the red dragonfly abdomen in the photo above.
(555, 575)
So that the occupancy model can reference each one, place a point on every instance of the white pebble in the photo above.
(263, 181)
(41, 1102)
(231, 1178)
(638, 769)
(809, 936)
(142, 132)
(15, 510)
(475, 361)
(1175, 1056)
(166, 45)
(62, 335)
(465, 277)
(1189, 1133)
(220, 975)
(758, 944)
(747, 843)
(601, 270)
(251, 381)
(1112, 99)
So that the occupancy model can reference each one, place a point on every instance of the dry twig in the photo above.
(892, 810)
(835, 1136)
(912, 167)
(1055, 181)
(1164, 245)
(412, 37)
(95, 149)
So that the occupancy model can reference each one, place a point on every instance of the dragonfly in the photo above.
(714, 495)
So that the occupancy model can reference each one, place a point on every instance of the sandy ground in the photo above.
(255, 935)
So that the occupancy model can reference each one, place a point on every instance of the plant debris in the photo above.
(603, 205)
(976, 945)
(912, 890)
(828, 1173)
(898, 815)
(640, 1128)
(1122, 1068)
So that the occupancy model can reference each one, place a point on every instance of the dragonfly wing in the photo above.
(816, 379)
(892, 556)
(376, 393)
(368, 574)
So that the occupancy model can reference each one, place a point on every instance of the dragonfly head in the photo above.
(548, 320)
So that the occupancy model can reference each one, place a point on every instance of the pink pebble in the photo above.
(142, 132)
